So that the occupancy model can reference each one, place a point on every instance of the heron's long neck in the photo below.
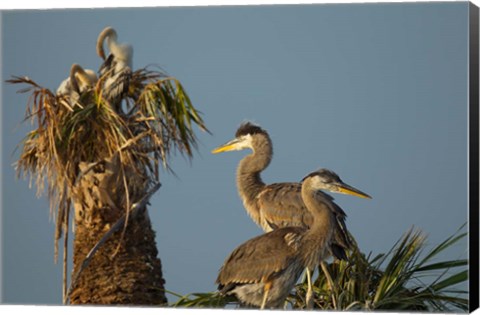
(317, 238)
(320, 210)
(112, 42)
(249, 181)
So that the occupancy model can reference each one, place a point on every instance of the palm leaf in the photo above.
(391, 281)
(210, 299)
(159, 122)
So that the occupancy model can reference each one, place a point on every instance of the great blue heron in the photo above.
(263, 270)
(117, 66)
(280, 205)
(78, 81)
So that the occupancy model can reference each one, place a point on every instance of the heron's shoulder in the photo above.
(280, 190)
(268, 243)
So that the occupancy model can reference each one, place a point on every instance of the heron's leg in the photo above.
(266, 289)
(309, 296)
(330, 282)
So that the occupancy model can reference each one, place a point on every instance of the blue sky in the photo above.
(377, 93)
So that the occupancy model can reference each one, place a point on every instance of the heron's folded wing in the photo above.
(260, 257)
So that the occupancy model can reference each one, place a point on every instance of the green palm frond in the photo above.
(209, 299)
(393, 281)
(390, 281)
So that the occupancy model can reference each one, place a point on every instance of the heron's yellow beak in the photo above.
(229, 146)
(349, 190)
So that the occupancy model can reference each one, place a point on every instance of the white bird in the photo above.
(117, 66)
(78, 81)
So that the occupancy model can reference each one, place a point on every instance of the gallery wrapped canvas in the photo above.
(344, 173)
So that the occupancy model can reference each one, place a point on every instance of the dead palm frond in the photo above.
(73, 135)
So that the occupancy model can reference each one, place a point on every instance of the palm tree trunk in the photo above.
(124, 270)
(132, 276)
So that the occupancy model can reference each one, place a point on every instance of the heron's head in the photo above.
(324, 179)
(248, 136)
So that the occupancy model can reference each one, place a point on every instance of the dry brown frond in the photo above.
(87, 130)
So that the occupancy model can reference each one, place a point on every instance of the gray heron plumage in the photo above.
(281, 205)
(262, 271)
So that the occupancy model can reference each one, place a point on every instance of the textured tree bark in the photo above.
(123, 270)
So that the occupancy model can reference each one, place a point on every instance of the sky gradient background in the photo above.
(375, 92)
